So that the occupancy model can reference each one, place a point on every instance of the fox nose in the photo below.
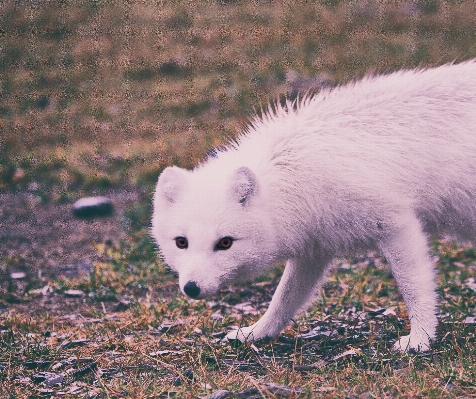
(192, 289)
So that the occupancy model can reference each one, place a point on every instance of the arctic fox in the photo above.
(382, 162)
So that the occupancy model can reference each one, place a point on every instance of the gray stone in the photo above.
(89, 207)
(74, 293)
(17, 276)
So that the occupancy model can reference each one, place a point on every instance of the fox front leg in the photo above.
(406, 251)
(295, 290)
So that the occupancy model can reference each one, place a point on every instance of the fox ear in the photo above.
(244, 185)
(171, 180)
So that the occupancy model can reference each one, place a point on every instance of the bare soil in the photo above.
(46, 238)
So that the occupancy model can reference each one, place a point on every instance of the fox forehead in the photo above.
(203, 221)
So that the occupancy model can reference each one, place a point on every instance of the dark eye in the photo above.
(224, 243)
(181, 242)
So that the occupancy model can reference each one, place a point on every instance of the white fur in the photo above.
(377, 163)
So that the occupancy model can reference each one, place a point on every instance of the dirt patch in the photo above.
(46, 238)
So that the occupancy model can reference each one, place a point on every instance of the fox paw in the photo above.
(409, 342)
(243, 334)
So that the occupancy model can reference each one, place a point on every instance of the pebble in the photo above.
(17, 276)
(74, 293)
(89, 207)
(75, 343)
(166, 326)
(197, 331)
(49, 378)
(46, 392)
(221, 394)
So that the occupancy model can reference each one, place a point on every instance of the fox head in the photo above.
(212, 227)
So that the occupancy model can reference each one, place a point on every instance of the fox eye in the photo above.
(181, 242)
(224, 243)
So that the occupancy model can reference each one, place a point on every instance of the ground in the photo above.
(50, 240)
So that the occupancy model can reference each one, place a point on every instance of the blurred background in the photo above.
(103, 93)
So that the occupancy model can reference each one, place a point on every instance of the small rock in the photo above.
(389, 312)
(41, 291)
(166, 326)
(160, 353)
(325, 389)
(470, 283)
(346, 353)
(283, 390)
(17, 276)
(376, 312)
(46, 392)
(88, 207)
(74, 293)
(81, 360)
(46, 290)
(75, 343)
(220, 394)
(49, 378)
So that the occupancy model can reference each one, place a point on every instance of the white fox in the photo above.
(381, 162)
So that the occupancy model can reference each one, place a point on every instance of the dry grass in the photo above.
(100, 93)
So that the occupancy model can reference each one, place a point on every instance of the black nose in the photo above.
(192, 289)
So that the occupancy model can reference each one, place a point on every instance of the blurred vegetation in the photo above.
(96, 93)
